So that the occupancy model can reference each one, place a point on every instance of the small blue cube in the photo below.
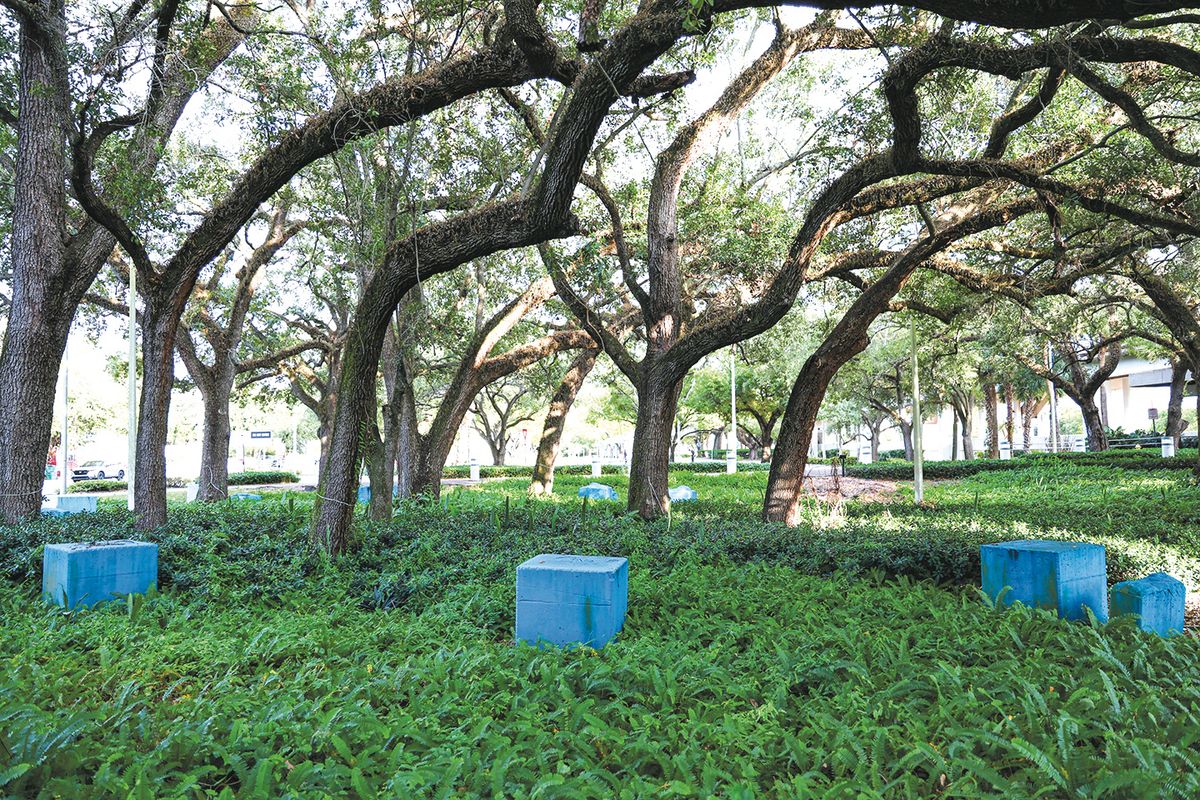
(598, 491)
(245, 496)
(566, 600)
(1063, 576)
(682, 494)
(86, 573)
(1157, 600)
(76, 503)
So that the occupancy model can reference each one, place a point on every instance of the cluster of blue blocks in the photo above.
(364, 493)
(1070, 577)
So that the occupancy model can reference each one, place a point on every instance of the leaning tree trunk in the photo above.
(214, 452)
(158, 377)
(650, 463)
(786, 480)
(39, 318)
(1175, 423)
(556, 418)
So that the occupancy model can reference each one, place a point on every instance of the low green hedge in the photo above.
(942, 470)
(115, 486)
(262, 476)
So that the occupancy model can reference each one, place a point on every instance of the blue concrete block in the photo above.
(76, 503)
(54, 512)
(245, 496)
(598, 491)
(564, 599)
(364, 493)
(1063, 576)
(86, 573)
(682, 494)
(1157, 600)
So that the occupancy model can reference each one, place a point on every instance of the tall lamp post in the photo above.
(63, 450)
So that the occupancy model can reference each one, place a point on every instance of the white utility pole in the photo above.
(131, 380)
(917, 424)
(1053, 401)
(731, 454)
(62, 450)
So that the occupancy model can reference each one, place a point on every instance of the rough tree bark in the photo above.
(37, 327)
(990, 400)
(1175, 423)
(556, 419)
(53, 264)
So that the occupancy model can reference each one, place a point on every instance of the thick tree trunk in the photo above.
(990, 400)
(786, 480)
(406, 443)
(953, 436)
(967, 428)
(1175, 423)
(556, 419)
(40, 317)
(651, 458)
(1093, 423)
(158, 377)
(29, 364)
(906, 429)
(214, 453)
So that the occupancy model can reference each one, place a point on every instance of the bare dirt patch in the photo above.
(833, 488)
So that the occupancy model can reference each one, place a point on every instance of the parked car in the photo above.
(98, 471)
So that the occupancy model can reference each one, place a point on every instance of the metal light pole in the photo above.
(731, 455)
(917, 424)
(131, 380)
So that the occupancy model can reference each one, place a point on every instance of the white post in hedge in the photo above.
(131, 380)
(731, 453)
(1168, 446)
(595, 463)
(917, 424)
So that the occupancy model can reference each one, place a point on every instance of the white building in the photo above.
(1125, 401)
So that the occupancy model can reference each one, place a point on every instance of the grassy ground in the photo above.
(846, 658)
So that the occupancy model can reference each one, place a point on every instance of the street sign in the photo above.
(260, 434)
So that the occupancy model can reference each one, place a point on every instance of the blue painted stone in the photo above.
(1062, 576)
(76, 503)
(598, 491)
(682, 494)
(1157, 600)
(55, 512)
(564, 599)
(245, 496)
(86, 573)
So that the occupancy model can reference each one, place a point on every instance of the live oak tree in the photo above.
(97, 97)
